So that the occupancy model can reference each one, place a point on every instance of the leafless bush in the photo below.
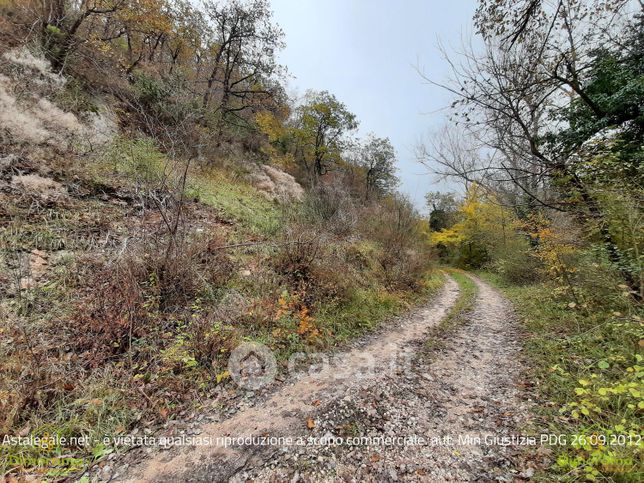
(126, 299)
(300, 248)
(394, 225)
(331, 207)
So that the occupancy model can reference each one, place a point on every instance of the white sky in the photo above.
(364, 52)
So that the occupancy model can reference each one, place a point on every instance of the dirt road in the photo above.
(444, 414)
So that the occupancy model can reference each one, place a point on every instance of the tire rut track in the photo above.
(468, 389)
(286, 411)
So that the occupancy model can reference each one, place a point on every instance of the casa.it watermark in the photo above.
(253, 366)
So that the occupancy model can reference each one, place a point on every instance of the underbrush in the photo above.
(113, 357)
(126, 323)
(587, 364)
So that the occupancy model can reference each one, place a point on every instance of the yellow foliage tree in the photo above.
(278, 135)
(483, 227)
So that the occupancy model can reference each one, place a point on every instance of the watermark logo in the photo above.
(252, 366)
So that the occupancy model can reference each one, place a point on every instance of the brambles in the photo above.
(129, 299)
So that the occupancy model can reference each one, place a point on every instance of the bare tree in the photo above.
(242, 45)
(509, 99)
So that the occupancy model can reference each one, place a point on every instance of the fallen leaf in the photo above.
(310, 423)
(375, 458)
(316, 402)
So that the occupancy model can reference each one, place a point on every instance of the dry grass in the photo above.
(112, 315)
(277, 185)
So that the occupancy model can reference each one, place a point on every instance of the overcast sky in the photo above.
(364, 52)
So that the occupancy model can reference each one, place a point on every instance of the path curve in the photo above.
(462, 399)
(288, 410)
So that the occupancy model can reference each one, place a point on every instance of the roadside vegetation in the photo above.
(547, 140)
(161, 201)
(587, 370)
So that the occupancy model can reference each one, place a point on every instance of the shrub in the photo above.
(330, 207)
(167, 99)
(519, 268)
(333, 279)
(470, 255)
(515, 261)
(138, 159)
(75, 98)
(299, 249)
(125, 300)
(405, 256)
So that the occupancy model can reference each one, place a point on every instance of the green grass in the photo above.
(139, 162)
(456, 315)
(362, 313)
(74, 426)
(237, 202)
(367, 308)
(588, 372)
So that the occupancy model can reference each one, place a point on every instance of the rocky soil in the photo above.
(385, 411)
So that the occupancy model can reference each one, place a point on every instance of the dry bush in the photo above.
(405, 255)
(333, 279)
(128, 299)
(120, 327)
(330, 262)
(26, 377)
(330, 207)
(314, 263)
(299, 249)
